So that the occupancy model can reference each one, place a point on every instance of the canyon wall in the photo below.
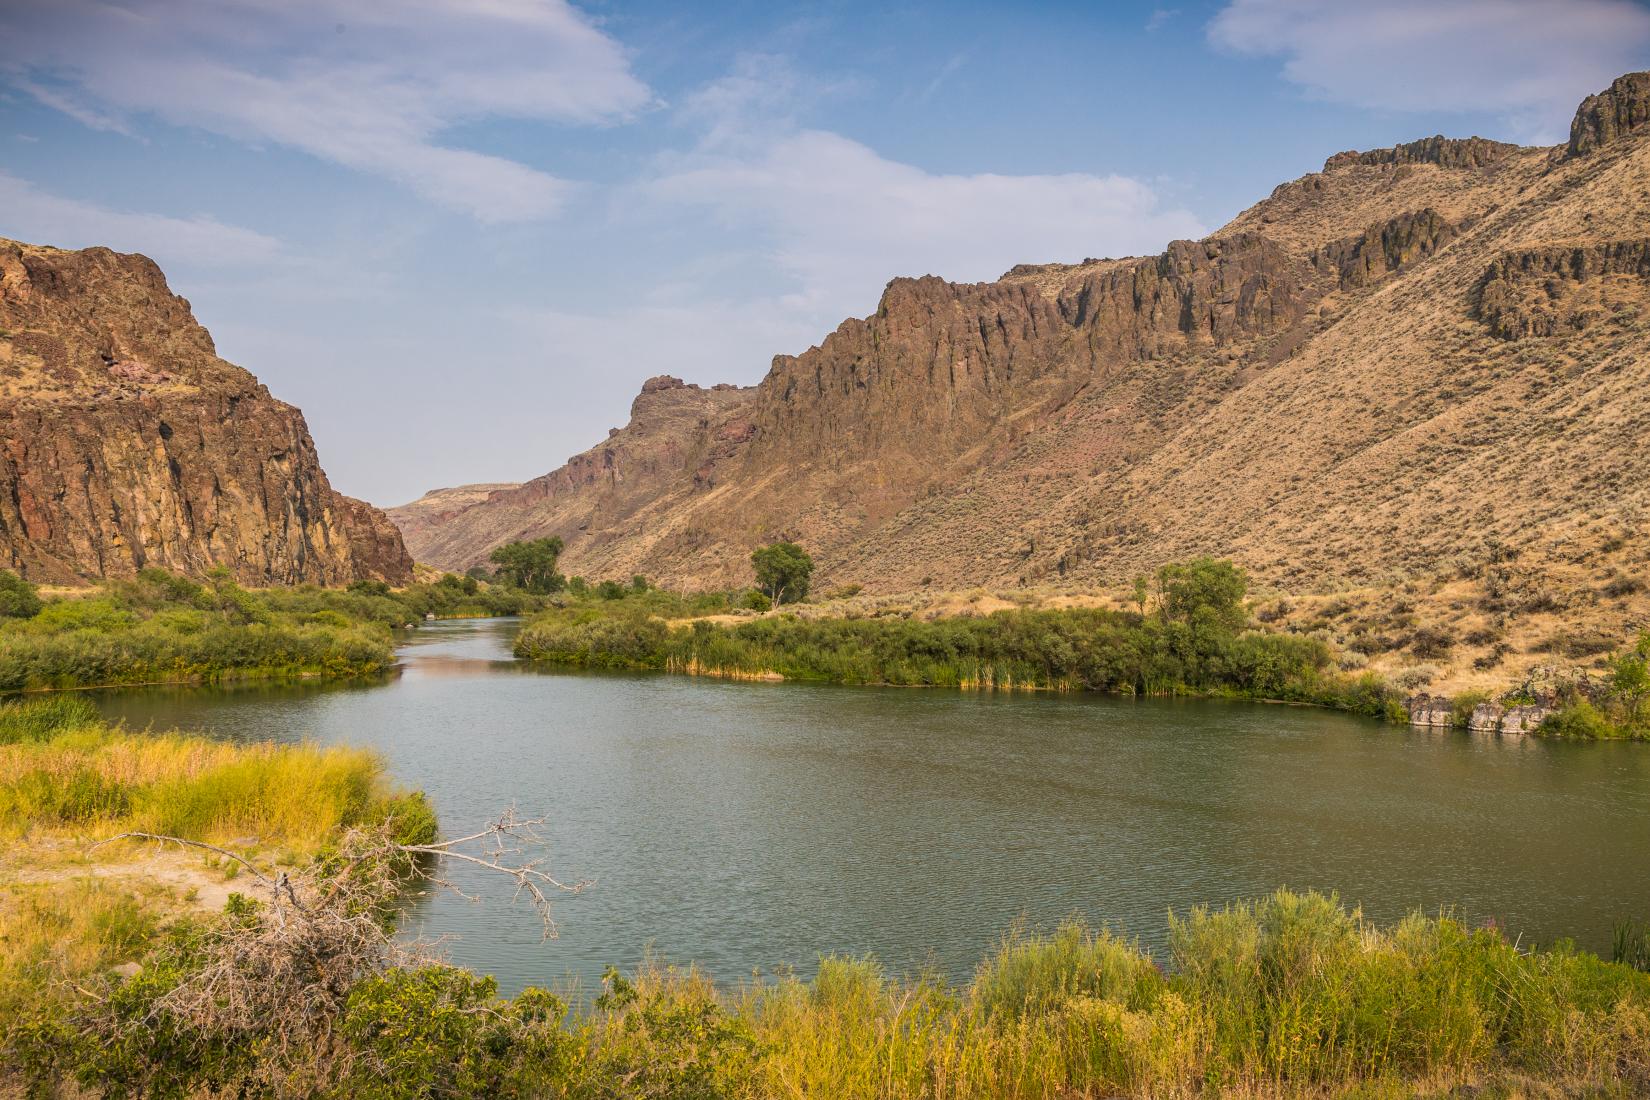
(1370, 375)
(125, 441)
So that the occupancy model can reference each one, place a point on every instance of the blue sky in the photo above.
(460, 235)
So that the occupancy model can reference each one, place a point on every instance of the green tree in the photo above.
(783, 570)
(1630, 680)
(18, 598)
(1203, 591)
(531, 565)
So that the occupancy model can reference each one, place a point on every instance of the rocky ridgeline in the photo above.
(1310, 391)
(1473, 152)
(128, 443)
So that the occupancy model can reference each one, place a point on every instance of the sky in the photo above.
(459, 234)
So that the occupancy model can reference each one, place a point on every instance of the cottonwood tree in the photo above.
(530, 565)
(1203, 591)
(783, 571)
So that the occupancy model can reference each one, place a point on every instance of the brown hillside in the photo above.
(126, 442)
(1395, 368)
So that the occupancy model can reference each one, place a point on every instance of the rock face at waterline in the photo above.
(1373, 374)
(125, 441)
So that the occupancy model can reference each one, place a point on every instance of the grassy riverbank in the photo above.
(1198, 641)
(1292, 995)
(64, 772)
(160, 628)
(1289, 995)
(70, 910)
(163, 628)
(1193, 635)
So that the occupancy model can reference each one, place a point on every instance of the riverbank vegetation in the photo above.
(159, 627)
(1616, 707)
(66, 772)
(73, 903)
(1195, 638)
(162, 628)
(1291, 995)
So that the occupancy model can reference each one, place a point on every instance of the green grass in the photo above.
(64, 770)
(1063, 650)
(163, 628)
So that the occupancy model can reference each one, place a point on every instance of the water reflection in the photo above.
(751, 825)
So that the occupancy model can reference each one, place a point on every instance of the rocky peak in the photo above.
(667, 396)
(1618, 110)
(126, 442)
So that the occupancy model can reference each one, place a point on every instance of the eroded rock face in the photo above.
(125, 442)
(1430, 711)
(1473, 152)
(1385, 248)
(1620, 109)
(1306, 391)
(1553, 291)
(1208, 292)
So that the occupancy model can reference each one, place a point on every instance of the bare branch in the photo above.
(285, 969)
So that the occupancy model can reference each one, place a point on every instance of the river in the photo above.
(752, 826)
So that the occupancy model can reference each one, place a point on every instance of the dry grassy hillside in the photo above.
(1422, 367)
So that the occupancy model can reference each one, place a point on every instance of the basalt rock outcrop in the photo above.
(1552, 291)
(1385, 248)
(1473, 152)
(1618, 110)
(125, 441)
(1317, 390)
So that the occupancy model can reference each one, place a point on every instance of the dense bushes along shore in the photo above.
(163, 628)
(1197, 641)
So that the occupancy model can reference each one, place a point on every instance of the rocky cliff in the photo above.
(126, 442)
(1367, 377)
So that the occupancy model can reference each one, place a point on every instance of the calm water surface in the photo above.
(748, 826)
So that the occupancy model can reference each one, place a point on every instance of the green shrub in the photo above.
(18, 598)
(1580, 719)
(443, 1031)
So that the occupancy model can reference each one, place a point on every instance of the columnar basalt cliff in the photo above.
(125, 441)
(1370, 375)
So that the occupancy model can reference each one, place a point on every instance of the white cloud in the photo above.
(1530, 60)
(370, 84)
(29, 214)
(839, 219)
(1160, 18)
